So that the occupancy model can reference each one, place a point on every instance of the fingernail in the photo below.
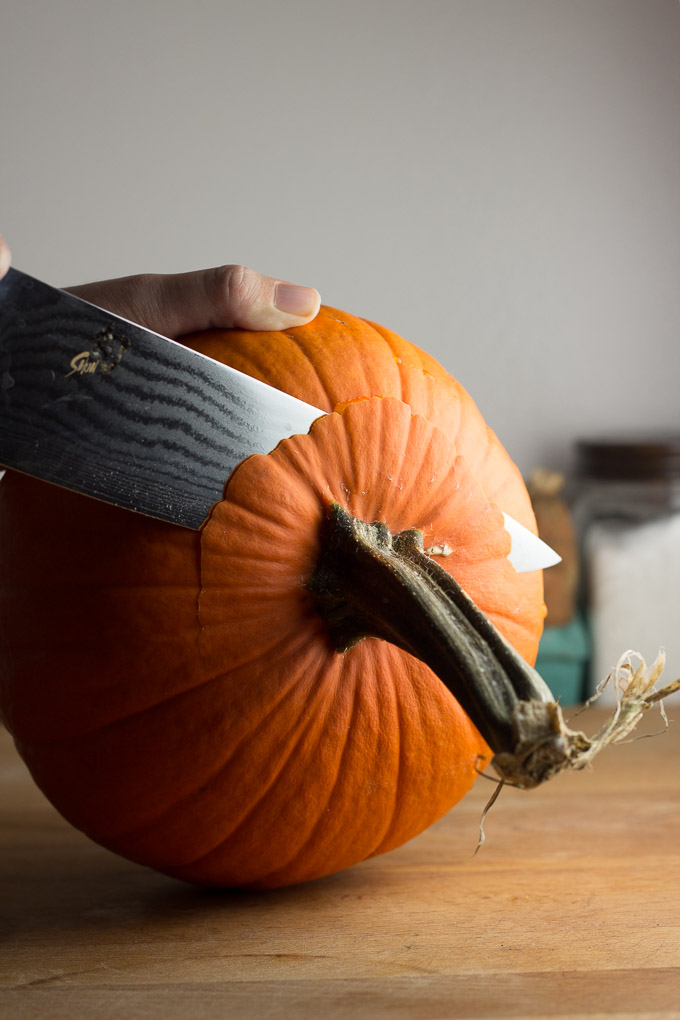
(302, 301)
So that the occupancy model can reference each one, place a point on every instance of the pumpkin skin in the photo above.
(338, 358)
(176, 695)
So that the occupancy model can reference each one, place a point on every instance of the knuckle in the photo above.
(234, 287)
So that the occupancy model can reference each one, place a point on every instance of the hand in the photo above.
(229, 296)
(5, 258)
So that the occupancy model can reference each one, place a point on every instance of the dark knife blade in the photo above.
(98, 404)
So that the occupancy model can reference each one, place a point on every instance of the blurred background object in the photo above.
(617, 588)
(564, 648)
(627, 505)
(555, 526)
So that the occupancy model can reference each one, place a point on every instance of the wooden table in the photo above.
(571, 909)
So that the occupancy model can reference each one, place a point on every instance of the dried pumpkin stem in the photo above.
(369, 583)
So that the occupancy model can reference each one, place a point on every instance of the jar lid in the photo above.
(626, 458)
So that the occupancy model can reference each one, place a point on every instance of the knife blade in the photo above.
(103, 406)
(98, 404)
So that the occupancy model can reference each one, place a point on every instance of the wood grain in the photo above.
(571, 910)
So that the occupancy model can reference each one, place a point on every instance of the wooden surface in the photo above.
(571, 910)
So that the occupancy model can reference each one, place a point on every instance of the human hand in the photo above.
(228, 296)
(5, 257)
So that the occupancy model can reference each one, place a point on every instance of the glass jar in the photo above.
(627, 513)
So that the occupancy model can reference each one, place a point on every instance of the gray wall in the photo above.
(496, 180)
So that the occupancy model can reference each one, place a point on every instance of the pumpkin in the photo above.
(205, 703)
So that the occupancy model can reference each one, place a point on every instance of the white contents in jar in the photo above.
(634, 594)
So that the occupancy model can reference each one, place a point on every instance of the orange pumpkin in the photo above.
(180, 697)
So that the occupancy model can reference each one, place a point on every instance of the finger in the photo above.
(229, 296)
(5, 257)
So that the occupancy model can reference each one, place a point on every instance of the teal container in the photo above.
(563, 656)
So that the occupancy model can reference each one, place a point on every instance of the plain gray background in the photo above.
(496, 180)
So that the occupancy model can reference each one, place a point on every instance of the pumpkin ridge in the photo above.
(330, 403)
(267, 879)
(398, 730)
(202, 683)
(122, 720)
(270, 513)
(288, 863)
(419, 355)
(385, 338)
(283, 872)
(491, 441)
(443, 382)
(381, 404)
(274, 707)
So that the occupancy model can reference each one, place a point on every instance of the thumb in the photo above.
(221, 298)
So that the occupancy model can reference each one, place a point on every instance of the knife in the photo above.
(103, 406)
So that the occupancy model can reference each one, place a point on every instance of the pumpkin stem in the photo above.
(371, 584)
